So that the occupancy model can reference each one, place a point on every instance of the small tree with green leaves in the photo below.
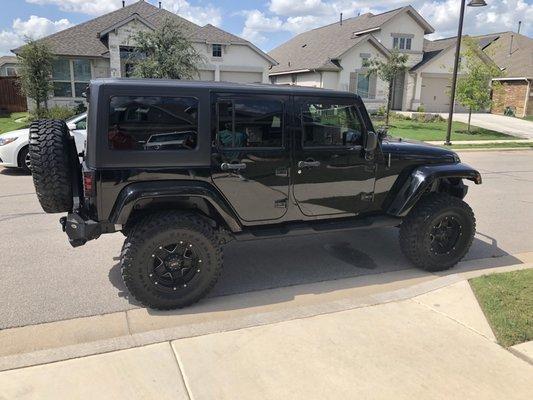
(473, 88)
(387, 71)
(165, 53)
(35, 71)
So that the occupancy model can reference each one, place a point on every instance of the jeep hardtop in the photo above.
(183, 167)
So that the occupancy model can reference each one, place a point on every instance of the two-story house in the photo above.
(105, 47)
(333, 57)
(8, 66)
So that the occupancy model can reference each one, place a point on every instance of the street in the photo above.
(44, 279)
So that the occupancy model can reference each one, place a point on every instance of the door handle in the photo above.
(308, 164)
(232, 167)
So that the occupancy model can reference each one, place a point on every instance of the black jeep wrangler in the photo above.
(181, 168)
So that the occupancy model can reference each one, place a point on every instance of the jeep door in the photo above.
(250, 155)
(330, 172)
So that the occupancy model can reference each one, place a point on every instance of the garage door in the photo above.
(435, 96)
(206, 75)
(241, 77)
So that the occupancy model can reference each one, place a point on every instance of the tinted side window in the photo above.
(250, 123)
(153, 123)
(327, 124)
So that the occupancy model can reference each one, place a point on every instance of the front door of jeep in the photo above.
(250, 160)
(331, 175)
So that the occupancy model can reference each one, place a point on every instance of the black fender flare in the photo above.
(138, 192)
(422, 178)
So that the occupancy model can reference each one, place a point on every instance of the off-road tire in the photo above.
(149, 233)
(415, 231)
(51, 164)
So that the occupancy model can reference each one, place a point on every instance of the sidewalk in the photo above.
(429, 340)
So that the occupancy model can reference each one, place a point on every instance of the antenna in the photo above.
(341, 19)
(519, 26)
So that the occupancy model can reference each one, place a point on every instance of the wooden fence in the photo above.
(10, 97)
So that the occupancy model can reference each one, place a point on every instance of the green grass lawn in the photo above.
(514, 145)
(427, 131)
(507, 301)
(8, 123)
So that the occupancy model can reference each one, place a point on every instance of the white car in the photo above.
(14, 144)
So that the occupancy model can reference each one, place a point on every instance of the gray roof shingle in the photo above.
(83, 39)
(316, 48)
(515, 63)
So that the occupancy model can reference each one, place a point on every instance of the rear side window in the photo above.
(153, 123)
(327, 125)
(250, 123)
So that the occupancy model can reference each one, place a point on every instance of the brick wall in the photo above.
(512, 94)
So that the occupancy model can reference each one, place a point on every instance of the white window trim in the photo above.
(11, 69)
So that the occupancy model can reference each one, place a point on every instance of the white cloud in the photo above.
(200, 15)
(35, 27)
(257, 23)
(90, 7)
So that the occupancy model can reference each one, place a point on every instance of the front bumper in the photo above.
(79, 230)
(8, 154)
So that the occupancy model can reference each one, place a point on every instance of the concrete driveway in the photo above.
(508, 125)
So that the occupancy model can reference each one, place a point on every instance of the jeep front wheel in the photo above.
(171, 260)
(438, 232)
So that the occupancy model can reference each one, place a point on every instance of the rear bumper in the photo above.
(79, 230)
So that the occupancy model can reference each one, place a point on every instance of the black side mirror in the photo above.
(371, 141)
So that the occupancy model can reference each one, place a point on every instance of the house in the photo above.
(333, 57)
(513, 53)
(101, 48)
(8, 66)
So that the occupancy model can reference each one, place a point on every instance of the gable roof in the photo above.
(517, 62)
(316, 48)
(88, 39)
(8, 60)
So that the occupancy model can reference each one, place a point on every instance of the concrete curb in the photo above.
(523, 351)
(255, 319)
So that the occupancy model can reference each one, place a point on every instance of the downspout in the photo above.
(321, 78)
(526, 100)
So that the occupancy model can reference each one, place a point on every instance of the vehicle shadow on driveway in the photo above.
(295, 263)
(13, 172)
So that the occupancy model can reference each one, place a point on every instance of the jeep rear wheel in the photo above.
(171, 260)
(52, 164)
(438, 232)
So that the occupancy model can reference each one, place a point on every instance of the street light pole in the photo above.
(473, 3)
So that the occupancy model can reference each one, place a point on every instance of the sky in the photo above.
(266, 23)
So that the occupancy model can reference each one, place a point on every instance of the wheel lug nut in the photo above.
(174, 288)
(151, 275)
(190, 245)
(153, 255)
(160, 247)
(197, 270)
(185, 285)
(157, 283)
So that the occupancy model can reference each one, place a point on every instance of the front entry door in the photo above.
(330, 172)
(251, 160)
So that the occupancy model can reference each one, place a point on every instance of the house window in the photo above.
(11, 71)
(401, 43)
(363, 84)
(70, 77)
(217, 50)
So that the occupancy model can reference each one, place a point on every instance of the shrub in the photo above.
(420, 109)
(55, 112)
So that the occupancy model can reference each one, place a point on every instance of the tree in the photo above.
(474, 86)
(35, 71)
(387, 71)
(165, 53)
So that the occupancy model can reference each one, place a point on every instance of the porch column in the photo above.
(417, 93)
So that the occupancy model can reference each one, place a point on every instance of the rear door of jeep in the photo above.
(250, 156)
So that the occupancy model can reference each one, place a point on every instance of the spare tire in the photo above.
(52, 164)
